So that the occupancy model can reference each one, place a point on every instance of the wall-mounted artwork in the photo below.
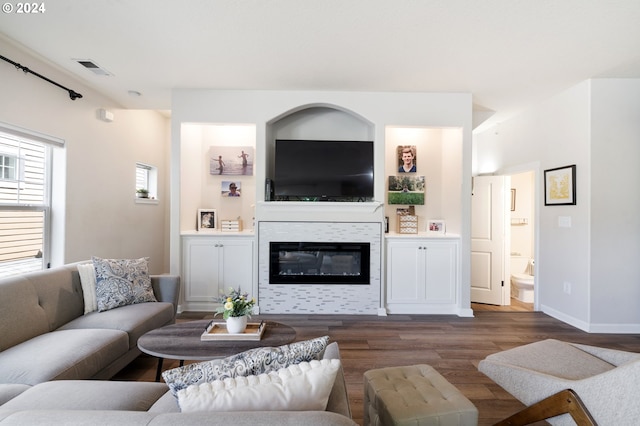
(231, 160)
(560, 186)
(406, 189)
(231, 188)
(206, 220)
(407, 159)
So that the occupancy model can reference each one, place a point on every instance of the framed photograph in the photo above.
(231, 188)
(407, 159)
(231, 160)
(406, 189)
(513, 200)
(560, 186)
(207, 219)
(436, 226)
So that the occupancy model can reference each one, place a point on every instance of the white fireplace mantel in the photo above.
(302, 211)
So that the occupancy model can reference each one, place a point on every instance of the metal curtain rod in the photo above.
(72, 94)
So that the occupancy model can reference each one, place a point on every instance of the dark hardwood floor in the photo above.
(452, 345)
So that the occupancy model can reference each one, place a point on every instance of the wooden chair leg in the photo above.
(563, 402)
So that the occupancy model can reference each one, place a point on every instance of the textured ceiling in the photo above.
(507, 53)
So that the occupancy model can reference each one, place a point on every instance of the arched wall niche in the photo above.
(318, 121)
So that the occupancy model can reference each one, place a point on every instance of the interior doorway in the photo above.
(504, 241)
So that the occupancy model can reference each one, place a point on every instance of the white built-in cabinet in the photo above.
(215, 262)
(422, 275)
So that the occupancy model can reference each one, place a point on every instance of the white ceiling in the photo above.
(507, 53)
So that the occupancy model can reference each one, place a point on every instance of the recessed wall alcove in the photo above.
(315, 122)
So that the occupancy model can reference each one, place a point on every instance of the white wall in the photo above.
(97, 213)
(615, 205)
(593, 125)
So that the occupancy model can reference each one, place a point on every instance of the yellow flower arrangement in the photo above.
(235, 304)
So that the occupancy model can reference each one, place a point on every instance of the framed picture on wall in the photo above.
(406, 189)
(207, 219)
(407, 159)
(560, 186)
(231, 160)
(231, 188)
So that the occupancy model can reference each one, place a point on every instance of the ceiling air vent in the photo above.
(93, 67)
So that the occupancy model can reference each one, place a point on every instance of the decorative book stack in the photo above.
(231, 225)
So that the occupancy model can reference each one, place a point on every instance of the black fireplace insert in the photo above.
(319, 263)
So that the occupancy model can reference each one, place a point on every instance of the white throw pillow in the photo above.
(301, 387)
(88, 282)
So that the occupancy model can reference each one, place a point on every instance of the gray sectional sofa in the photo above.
(92, 402)
(51, 354)
(44, 334)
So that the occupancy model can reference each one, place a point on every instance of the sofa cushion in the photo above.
(11, 390)
(135, 320)
(338, 399)
(64, 354)
(552, 357)
(251, 362)
(37, 417)
(167, 403)
(88, 281)
(300, 387)
(59, 293)
(19, 301)
(89, 395)
(121, 282)
(139, 418)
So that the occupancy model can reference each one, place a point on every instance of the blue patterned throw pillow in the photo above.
(121, 282)
(249, 363)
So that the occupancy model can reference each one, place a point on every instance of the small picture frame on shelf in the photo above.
(207, 219)
(436, 226)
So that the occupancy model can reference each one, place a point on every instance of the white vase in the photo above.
(236, 325)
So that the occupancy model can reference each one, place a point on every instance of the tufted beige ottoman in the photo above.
(414, 395)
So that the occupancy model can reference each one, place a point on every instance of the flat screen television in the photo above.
(326, 170)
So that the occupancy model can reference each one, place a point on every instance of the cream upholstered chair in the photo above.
(606, 381)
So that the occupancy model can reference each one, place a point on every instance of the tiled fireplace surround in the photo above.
(320, 298)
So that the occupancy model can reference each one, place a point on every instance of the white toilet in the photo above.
(522, 278)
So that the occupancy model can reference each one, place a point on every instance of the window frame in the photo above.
(8, 131)
(151, 177)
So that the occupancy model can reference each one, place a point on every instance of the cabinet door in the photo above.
(236, 265)
(440, 272)
(405, 275)
(200, 270)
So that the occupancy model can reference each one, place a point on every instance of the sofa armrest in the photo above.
(167, 289)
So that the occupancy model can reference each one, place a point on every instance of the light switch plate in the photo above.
(564, 221)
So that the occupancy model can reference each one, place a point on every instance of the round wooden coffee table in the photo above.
(181, 341)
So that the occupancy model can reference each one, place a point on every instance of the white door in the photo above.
(489, 240)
